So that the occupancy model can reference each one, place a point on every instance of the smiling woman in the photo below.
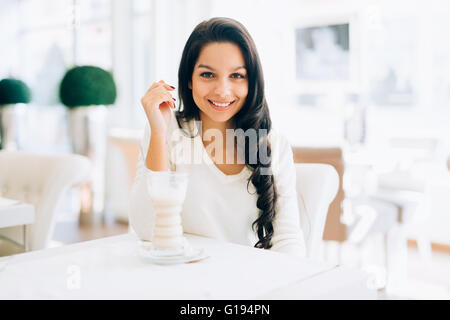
(219, 83)
(221, 90)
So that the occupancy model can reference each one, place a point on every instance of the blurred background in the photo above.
(362, 85)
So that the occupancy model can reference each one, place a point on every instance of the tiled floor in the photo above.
(67, 232)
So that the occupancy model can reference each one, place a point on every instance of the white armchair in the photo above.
(317, 185)
(41, 180)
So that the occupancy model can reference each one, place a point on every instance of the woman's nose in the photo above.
(223, 88)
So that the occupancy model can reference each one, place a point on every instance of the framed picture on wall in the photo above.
(323, 53)
(326, 55)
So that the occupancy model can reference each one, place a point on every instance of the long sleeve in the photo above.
(288, 236)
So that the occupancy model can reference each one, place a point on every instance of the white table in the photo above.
(15, 213)
(110, 268)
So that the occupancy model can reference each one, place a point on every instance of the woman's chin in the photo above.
(218, 117)
(221, 118)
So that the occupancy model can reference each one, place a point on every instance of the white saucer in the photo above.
(188, 254)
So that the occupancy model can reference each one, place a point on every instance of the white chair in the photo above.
(40, 180)
(397, 205)
(317, 186)
(407, 186)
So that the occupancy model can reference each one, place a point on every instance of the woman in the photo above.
(250, 198)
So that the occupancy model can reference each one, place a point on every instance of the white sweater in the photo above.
(218, 205)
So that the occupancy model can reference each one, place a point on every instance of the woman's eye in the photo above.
(238, 76)
(210, 75)
(206, 75)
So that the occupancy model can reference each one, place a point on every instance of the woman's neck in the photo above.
(208, 124)
(223, 153)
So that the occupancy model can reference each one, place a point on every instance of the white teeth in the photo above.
(220, 104)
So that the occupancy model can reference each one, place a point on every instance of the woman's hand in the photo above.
(157, 102)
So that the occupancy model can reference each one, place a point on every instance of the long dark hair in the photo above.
(254, 114)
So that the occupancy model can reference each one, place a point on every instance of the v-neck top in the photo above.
(225, 178)
(218, 205)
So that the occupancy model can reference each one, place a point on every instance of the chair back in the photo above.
(40, 180)
(335, 230)
(317, 186)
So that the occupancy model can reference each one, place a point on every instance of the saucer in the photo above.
(187, 254)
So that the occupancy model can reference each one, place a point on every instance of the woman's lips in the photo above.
(221, 108)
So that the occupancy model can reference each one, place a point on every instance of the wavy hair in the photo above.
(254, 114)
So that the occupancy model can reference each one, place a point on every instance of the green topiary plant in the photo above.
(86, 86)
(14, 91)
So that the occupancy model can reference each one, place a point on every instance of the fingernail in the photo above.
(174, 99)
(172, 87)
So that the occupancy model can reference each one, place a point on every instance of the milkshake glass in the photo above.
(167, 190)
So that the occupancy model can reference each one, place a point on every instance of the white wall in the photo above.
(9, 20)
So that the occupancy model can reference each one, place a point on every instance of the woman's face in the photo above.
(219, 81)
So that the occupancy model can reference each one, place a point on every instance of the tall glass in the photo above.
(167, 190)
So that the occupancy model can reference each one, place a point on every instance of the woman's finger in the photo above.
(158, 92)
(158, 89)
(171, 100)
(160, 83)
(164, 97)
(167, 86)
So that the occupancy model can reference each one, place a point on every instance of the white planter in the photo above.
(8, 127)
(87, 127)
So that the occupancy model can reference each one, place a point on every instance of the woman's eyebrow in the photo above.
(210, 68)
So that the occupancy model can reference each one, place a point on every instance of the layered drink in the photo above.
(167, 191)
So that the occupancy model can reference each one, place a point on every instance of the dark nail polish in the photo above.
(174, 99)
(172, 87)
